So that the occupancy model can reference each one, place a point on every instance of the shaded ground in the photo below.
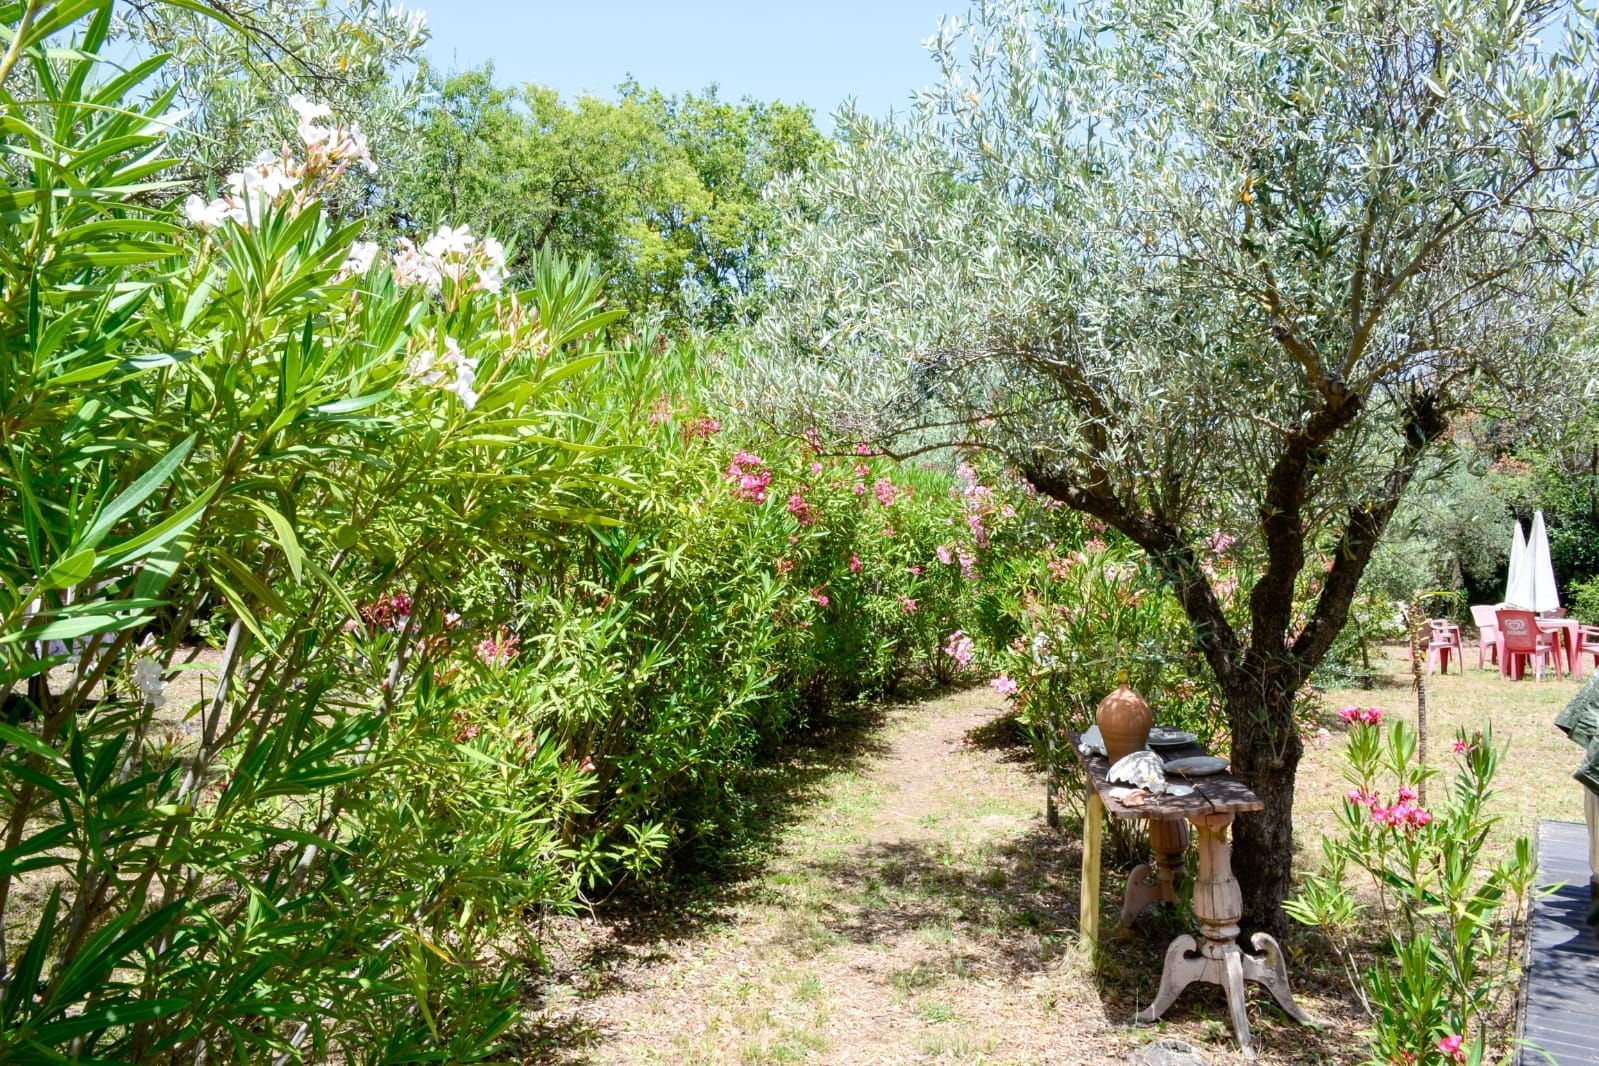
(916, 909)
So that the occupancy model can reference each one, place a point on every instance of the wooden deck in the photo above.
(1562, 984)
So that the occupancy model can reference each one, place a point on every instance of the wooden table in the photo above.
(1216, 956)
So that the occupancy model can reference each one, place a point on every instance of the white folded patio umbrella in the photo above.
(1540, 568)
(1518, 586)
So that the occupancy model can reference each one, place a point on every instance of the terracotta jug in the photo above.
(1124, 722)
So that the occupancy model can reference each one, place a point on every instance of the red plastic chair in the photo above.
(1487, 633)
(1443, 638)
(1587, 644)
(1521, 639)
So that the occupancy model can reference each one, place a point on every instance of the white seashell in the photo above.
(1143, 769)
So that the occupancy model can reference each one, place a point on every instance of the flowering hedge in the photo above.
(501, 610)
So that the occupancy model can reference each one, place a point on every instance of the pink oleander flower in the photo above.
(968, 563)
(467, 733)
(960, 648)
(499, 649)
(888, 531)
(885, 490)
(907, 605)
(1094, 545)
(703, 428)
(820, 597)
(860, 488)
(914, 571)
(748, 474)
(587, 765)
(661, 410)
(1451, 1046)
(389, 612)
(816, 469)
(854, 563)
(1219, 542)
(785, 565)
(863, 449)
(801, 509)
(944, 555)
(1003, 685)
(1360, 798)
(1407, 794)
(813, 440)
(1360, 715)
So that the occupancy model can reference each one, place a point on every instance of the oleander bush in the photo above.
(1419, 869)
(501, 610)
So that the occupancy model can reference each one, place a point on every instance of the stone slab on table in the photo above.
(1213, 794)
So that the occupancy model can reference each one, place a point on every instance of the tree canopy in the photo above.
(1206, 268)
(663, 191)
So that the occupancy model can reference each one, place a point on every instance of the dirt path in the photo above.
(913, 908)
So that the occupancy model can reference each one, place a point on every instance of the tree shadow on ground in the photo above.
(639, 922)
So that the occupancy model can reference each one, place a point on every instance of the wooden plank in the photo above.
(1215, 794)
(1093, 834)
(1561, 994)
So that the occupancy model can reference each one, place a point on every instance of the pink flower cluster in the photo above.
(907, 605)
(389, 612)
(801, 509)
(703, 428)
(1403, 814)
(749, 476)
(854, 563)
(886, 492)
(1451, 1046)
(820, 597)
(1360, 715)
(499, 649)
(960, 648)
(1219, 542)
(1003, 685)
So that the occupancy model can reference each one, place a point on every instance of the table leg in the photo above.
(1216, 957)
(1093, 834)
(1157, 883)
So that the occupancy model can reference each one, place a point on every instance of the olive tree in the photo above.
(1189, 264)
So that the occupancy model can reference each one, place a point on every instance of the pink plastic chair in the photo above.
(1482, 615)
(1520, 640)
(1587, 644)
(1443, 638)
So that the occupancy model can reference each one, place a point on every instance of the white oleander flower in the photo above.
(147, 679)
(447, 241)
(362, 255)
(206, 214)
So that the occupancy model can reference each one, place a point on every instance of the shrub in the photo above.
(1449, 911)
(493, 627)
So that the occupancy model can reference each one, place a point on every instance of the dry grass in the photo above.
(1535, 779)
(911, 906)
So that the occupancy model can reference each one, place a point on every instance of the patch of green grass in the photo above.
(932, 1010)
(809, 989)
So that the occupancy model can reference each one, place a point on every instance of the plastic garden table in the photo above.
(1215, 957)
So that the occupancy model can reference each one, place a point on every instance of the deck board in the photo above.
(1562, 994)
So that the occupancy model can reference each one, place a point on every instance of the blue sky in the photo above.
(817, 52)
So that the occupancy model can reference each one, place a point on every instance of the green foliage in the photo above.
(231, 66)
(663, 191)
(1450, 912)
(500, 620)
(1585, 601)
(1190, 266)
